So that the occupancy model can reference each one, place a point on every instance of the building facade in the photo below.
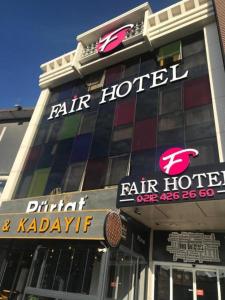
(13, 125)
(117, 191)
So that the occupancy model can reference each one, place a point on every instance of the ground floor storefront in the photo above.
(166, 266)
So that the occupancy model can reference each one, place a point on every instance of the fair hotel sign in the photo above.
(176, 182)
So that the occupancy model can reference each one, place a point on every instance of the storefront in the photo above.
(117, 191)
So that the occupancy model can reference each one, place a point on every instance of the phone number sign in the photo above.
(196, 184)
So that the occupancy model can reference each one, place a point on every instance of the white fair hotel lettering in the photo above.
(117, 91)
(184, 182)
(44, 206)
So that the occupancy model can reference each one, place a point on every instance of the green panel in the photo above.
(170, 50)
(70, 127)
(38, 182)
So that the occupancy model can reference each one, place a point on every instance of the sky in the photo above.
(33, 32)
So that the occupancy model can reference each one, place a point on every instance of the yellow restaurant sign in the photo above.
(88, 224)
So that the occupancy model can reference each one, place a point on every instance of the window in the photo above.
(95, 81)
(193, 48)
(73, 177)
(81, 148)
(170, 100)
(197, 92)
(170, 53)
(121, 140)
(2, 185)
(88, 122)
(162, 283)
(73, 269)
(113, 74)
(131, 68)
(171, 121)
(142, 163)
(95, 174)
(118, 168)
(124, 112)
(199, 115)
(146, 106)
(144, 135)
(69, 127)
(208, 152)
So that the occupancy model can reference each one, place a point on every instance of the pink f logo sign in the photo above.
(176, 160)
(113, 39)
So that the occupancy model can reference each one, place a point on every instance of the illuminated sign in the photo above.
(176, 160)
(196, 184)
(118, 91)
(112, 40)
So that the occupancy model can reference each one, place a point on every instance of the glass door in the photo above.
(206, 285)
(174, 282)
(182, 284)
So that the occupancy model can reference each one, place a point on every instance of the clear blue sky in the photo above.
(35, 31)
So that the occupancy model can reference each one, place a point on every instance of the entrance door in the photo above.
(206, 285)
(182, 284)
(174, 282)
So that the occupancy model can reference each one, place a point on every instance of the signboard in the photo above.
(59, 218)
(189, 247)
(88, 225)
(175, 183)
(112, 40)
(118, 91)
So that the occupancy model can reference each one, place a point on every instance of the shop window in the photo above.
(69, 127)
(197, 92)
(170, 53)
(95, 174)
(38, 182)
(72, 269)
(146, 106)
(95, 81)
(208, 152)
(88, 122)
(162, 283)
(126, 276)
(113, 74)
(144, 135)
(124, 112)
(170, 100)
(142, 163)
(117, 169)
(81, 147)
(73, 177)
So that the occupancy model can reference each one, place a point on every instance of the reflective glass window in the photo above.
(144, 135)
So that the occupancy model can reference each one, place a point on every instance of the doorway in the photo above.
(188, 282)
